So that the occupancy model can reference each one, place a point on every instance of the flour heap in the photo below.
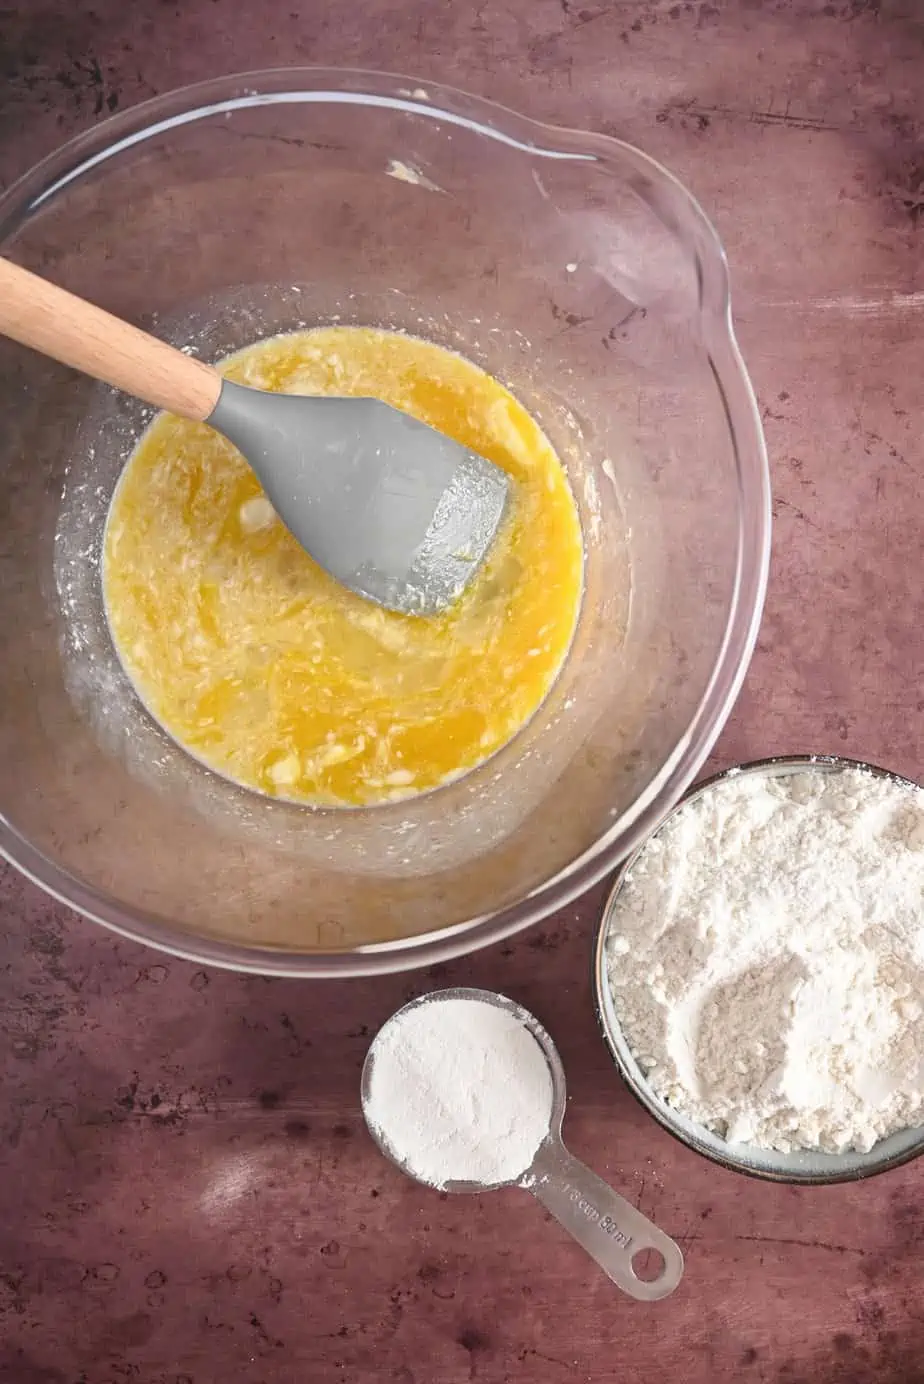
(460, 1091)
(766, 960)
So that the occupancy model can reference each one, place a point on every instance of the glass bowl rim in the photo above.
(181, 106)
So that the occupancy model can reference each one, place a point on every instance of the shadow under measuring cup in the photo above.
(637, 1256)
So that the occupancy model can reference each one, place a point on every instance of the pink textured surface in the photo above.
(188, 1193)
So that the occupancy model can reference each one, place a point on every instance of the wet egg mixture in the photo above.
(270, 672)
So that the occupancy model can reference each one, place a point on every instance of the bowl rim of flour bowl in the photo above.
(801, 1167)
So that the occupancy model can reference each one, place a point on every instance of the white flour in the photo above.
(766, 960)
(460, 1091)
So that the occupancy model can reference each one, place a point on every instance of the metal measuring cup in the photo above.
(608, 1227)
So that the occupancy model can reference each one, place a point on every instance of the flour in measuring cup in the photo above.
(460, 1091)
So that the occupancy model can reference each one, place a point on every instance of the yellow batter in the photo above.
(271, 673)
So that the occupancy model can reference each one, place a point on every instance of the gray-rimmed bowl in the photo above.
(803, 1167)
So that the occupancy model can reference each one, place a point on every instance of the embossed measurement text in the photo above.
(606, 1223)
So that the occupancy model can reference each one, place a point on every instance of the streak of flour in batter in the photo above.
(766, 960)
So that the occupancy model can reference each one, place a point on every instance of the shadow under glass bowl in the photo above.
(800, 1167)
(569, 265)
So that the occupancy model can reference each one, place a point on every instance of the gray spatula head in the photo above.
(389, 506)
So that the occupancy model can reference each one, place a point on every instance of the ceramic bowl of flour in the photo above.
(776, 1002)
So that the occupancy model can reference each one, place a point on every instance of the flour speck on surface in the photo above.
(460, 1091)
(766, 959)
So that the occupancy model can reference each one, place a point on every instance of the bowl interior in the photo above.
(570, 267)
(806, 1166)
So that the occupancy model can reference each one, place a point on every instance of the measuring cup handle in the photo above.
(608, 1227)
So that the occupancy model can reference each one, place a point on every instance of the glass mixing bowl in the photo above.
(571, 266)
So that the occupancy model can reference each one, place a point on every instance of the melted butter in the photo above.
(272, 674)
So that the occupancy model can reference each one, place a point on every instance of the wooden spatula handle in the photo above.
(36, 313)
